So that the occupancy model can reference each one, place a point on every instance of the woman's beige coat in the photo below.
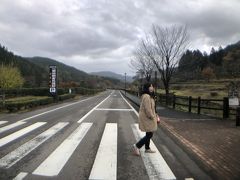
(147, 115)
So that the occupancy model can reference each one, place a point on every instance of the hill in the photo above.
(65, 73)
(113, 75)
(35, 71)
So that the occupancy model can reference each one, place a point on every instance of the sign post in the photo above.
(53, 81)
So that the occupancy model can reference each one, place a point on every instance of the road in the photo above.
(87, 139)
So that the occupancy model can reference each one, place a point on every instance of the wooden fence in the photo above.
(213, 107)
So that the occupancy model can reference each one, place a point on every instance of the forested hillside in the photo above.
(35, 72)
(220, 63)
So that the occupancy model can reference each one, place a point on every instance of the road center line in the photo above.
(56, 161)
(156, 166)
(10, 126)
(105, 164)
(16, 155)
(86, 115)
(20, 133)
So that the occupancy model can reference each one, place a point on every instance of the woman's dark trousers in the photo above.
(145, 140)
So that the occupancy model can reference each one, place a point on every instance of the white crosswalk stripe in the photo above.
(20, 176)
(56, 161)
(3, 122)
(11, 126)
(20, 133)
(16, 155)
(105, 164)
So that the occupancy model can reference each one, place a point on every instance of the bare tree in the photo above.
(165, 46)
(142, 63)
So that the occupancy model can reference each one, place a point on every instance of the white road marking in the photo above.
(3, 122)
(156, 166)
(106, 109)
(20, 133)
(56, 161)
(55, 109)
(86, 115)
(19, 153)
(129, 104)
(20, 176)
(10, 126)
(105, 164)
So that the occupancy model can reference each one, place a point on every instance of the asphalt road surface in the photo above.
(87, 139)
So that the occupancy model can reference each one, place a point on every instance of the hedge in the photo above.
(65, 96)
(17, 105)
(45, 91)
(26, 104)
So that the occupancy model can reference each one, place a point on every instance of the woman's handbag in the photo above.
(158, 119)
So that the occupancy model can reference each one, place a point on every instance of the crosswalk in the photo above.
(104, 165)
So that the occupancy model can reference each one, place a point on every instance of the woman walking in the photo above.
(147, 119)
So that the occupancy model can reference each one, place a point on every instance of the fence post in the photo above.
(166, 99)
(225, 107)
(190, 104)
(199, 105)
(174, 101)
(238, 116)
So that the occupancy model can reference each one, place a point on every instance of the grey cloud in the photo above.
(82, 32)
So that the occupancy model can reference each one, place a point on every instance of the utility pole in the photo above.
(125, 82)
(156, 80)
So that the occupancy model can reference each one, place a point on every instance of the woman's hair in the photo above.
(145, 89)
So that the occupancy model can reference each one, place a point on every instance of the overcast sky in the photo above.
(97, 35)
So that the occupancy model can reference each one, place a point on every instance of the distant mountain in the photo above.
(113, 75)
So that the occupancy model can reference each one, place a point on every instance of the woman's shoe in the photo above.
(149, 151)
(136, 150)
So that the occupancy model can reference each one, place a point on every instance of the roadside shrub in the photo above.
(66, 96)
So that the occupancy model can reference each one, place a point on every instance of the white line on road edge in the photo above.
(10, 126)
(20, 176)
(20, 133)
(19, 153)
(55, 109)
(156, 166)
(3, 122)
(129, 104)
(86, 115)
(105, 164)
(56, 161)
(106, 109)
